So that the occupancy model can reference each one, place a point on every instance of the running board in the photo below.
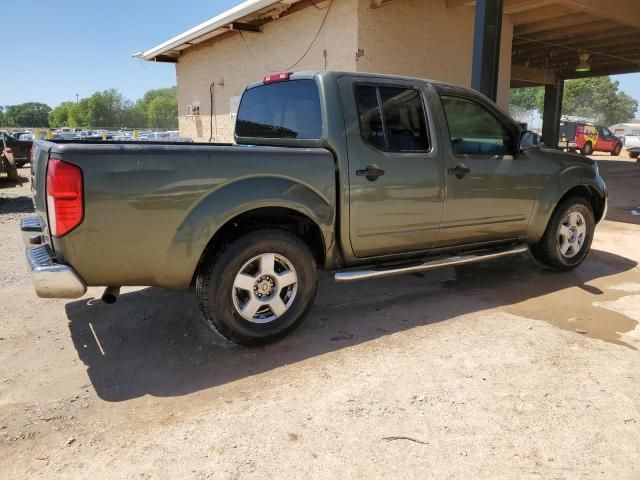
(376, 272)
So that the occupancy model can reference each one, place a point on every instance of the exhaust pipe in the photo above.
(110, 295)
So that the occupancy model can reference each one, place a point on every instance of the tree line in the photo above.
(157, 108)
(597, 97)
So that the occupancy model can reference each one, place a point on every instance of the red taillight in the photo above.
(31, 150)
(277, 77)
(64, 196)
(8, 150)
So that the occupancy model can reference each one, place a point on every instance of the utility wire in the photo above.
(313, 41)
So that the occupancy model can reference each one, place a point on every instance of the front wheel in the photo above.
(259, 288)
(567, 239)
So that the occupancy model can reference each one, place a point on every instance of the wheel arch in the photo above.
(277, 217)
(241, 206)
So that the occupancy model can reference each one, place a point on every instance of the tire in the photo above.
(587, 149)
(634, 154)
(616, 150)
(248, 261)
(574, 215)
(11, 169)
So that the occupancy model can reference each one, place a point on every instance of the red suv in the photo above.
(588, 138)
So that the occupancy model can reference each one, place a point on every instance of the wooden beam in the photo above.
(600, 72)
(560, 34)
(621, 11)
(537, 76)
(563, 22)
(517, 6)
(245, 27)
(608, 37)
(537, 15)
(460, 3)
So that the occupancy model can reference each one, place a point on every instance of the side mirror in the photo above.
(528, 140)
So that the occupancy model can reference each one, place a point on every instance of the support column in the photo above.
(552, 113)
(486, 47)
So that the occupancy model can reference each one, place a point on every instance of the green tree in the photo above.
(30, 114)
(106, 108)
(597, 97)
(160, 113)
(59, 116)
(2, 117)
(163, 113)
(525, 99)
(77, 113)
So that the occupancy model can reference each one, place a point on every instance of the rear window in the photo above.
(288, 109)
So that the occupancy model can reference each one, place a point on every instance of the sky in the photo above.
(57, 49)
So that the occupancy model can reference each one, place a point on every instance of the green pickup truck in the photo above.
(365, 175)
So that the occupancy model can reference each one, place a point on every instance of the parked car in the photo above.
(631, 142)
(588, 138)
(7, 161)
(365, 175)
(65, 133)
(21, 149)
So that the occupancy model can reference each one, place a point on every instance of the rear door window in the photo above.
(392, 118)
(289, 109)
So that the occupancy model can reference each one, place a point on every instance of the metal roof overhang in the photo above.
(252, 13)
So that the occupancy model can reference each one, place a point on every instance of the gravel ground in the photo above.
(497, 370)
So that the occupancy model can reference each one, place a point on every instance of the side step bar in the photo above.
(376, 272)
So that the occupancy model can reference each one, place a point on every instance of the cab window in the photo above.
(473, 129)
(288, 109)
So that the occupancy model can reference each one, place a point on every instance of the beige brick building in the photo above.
(421, 38)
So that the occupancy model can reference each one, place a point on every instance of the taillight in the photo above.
(8, 150)
(31, 150)
(277, 77)
(64, 196)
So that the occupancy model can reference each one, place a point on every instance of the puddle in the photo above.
(593, 298)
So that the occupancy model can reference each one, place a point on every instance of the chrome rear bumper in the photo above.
(50, 279)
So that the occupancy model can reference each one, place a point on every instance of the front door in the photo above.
(490, 188)
(395, 170)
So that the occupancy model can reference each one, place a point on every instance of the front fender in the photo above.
(241, 196)
(559, 173)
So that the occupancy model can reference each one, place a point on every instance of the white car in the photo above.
(632, 141)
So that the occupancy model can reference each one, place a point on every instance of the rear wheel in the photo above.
(567, 239)
(616, 150)
(259, 288)
(587, 149)
(634, 154)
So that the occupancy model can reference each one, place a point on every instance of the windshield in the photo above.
(288, 109)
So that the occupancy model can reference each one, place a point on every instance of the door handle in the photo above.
(460, 170)
(371, 173)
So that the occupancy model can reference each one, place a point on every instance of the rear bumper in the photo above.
(50, 279)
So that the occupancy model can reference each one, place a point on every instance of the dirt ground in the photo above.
(497, 370)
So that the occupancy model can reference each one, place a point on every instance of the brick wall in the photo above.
(425, 39)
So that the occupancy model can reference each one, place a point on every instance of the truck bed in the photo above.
(150, 208)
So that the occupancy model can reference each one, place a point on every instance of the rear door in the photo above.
(395, 168)
(490, 187)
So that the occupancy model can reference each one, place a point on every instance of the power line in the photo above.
(313, 41)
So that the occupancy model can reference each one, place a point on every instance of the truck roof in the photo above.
(311, 74)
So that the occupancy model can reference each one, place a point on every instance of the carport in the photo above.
(555, 40)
